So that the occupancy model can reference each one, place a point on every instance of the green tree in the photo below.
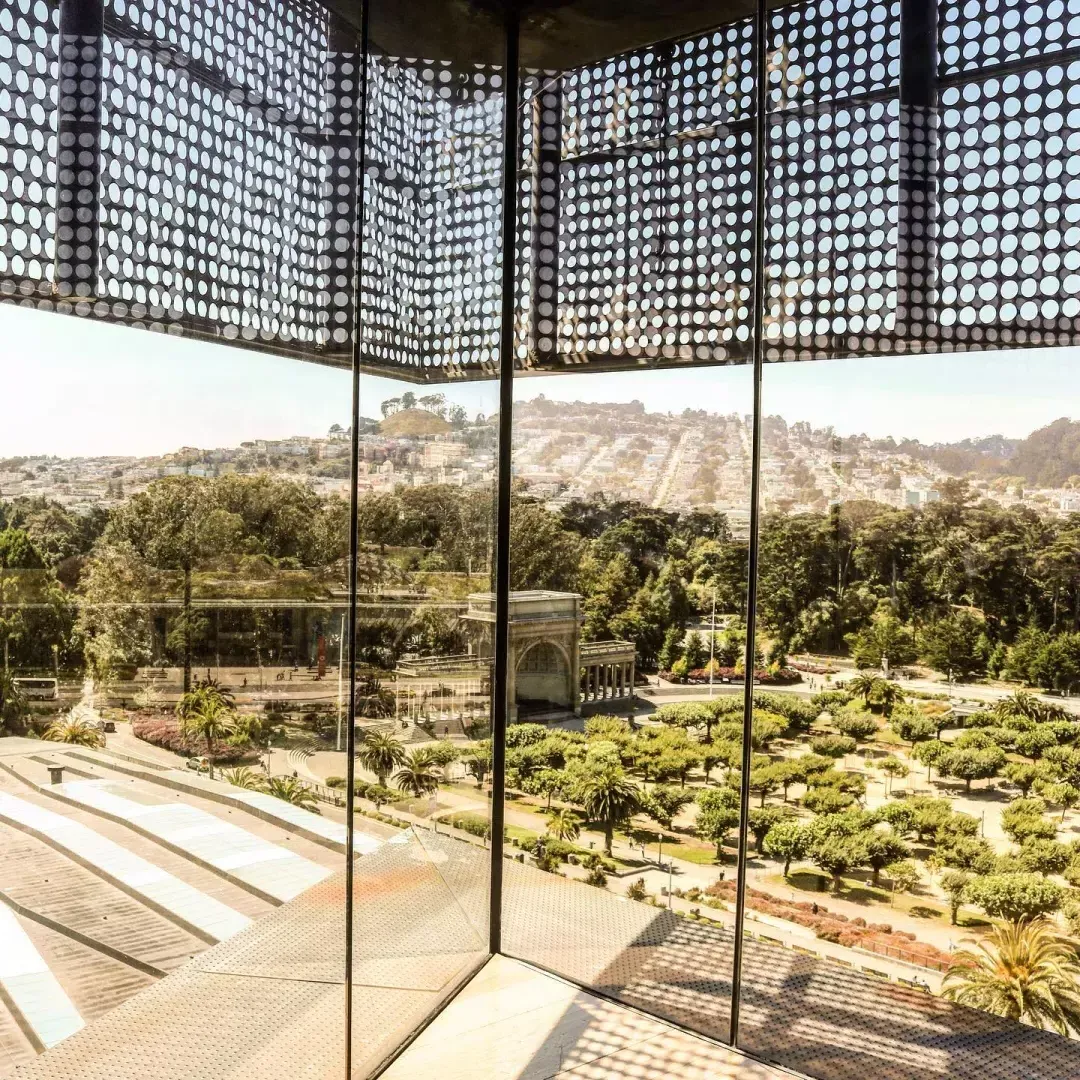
(671, 650)
(880, 849)
(836, 855)
(954, 883)
(13, 709)
(113, 617)
(834, 746)
(893, 768)
(563, 824)
(1042, 856)
(715, 824)
(75, 729)
(864, 684)
(244, 777)
(965, 852)
(695, 651)
(418, 775)
(1035, 741)
(1023, 818)
(969, 765)
(764, 780)
(18, 559)
(884, 638)
(827, 800)
(1015, 896)
(1064, 794)
(380, 753)
(788, 840)
(912, 727)
(762, 820)
(664, 802)
(928, 815)
(953, 645)
(1021, 775)
(546, 555)
(904, 875)
(173, 525)
(1025, 972)
(857, 725)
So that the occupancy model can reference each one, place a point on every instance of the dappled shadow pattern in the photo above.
(269, 1003)
(817, 1016)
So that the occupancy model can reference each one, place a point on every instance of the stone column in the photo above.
(511, 685)
(575, 676)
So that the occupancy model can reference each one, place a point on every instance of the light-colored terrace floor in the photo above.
(513, 1022)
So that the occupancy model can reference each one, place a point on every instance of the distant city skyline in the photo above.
(86, 388)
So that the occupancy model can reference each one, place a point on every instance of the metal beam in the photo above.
(761, 94)
(78, 152)
(916, 255)
(499, 704)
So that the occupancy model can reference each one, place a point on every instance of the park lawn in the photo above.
(888, 737)
(688, 850)
(696, 855)
(819, 884)
(862, 892)
(465, 788)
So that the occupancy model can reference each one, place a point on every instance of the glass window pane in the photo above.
(173, 589)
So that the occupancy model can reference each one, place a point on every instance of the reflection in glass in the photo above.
(172, 600)
(423, 758)
(629, 554)
(912, 879)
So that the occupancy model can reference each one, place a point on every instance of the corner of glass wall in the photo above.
(630, 515)
(426, 447)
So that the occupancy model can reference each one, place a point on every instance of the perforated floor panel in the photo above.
(817, 1017)
(270, 1002)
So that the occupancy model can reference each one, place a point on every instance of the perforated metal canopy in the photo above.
(194, 176)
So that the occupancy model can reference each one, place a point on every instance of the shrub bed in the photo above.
(780, 677)
(161, 729)
(839, 929)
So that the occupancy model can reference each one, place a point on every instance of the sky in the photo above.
(78, 387)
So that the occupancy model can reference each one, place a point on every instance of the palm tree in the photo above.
(77, 730)
(563, 825)
(206, 713)
(244, 777)
(292, 790)
(1022, 709)
(381, 753)
(610, 798)
(886, 696)
(419, 774)
(1025, 972)
(864, 685)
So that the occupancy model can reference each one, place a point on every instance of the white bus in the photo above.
(37, 689)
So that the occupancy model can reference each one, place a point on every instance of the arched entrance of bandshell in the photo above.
(543, 679)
